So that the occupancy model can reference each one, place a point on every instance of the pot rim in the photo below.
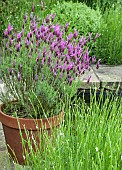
(30, 124)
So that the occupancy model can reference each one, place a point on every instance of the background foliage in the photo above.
(78, 15)
(12, 11)
(109, 45)
(110, 26)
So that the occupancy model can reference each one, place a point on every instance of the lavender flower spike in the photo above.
(25, 18)
(36, 78)
(33, 8)
(18, 47)
(9, 28)
(89, 78)
(66, 27)
(97, 35)
(19, 35)
(10, 71)
(75, 34)
(5, 34)
(20, 66)
(98, 64)
(42, 4)
(19, 76)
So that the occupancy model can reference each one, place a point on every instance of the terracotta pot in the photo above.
(34, 127)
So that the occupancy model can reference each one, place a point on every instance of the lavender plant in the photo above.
(41, 63)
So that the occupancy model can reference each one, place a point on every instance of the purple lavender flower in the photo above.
(5, 34)
(89, 78)
(19, 76)
(34, 28)
(11, 51)
(47, 19)
(44, 52)
(70, 81)
(85, 41)
(19, 35)
(53, 17)
(18, 47)
(9, 29)
(98, 64)
(37, 37)
(86, 56)
(42, 28)
(75, 34)
(43, 61)
(55, 74)
(27, 43)
(93, 59)
(29, 35)
(64, 66)
(10, 71)
(69, 37)
(62, 46)
(97, 35)
(70, 66)
(83, 65)
(42, 4)
(10, 42)
(25, 18)
(70, 49)
(77, 74)
(77, 60)
(66, 27)
(80, 41)
(37, 44)
(52, 47)
(20, 66)
(36, 78)
(74, 69)
(33, 6)
(56, 30)
(67, 58)
(37, 59)
(89, 37)
(79, 67)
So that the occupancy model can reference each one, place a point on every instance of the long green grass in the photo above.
(89, 138)
(109, 45)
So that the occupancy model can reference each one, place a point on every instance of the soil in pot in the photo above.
(14, 130)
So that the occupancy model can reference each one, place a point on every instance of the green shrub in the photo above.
(103, 4)
(78, 15)
(109, 45)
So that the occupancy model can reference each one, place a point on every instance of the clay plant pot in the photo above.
(13, 126)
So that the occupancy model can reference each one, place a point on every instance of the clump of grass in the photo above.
(90, 138)
(109, 45)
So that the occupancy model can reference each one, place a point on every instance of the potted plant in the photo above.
(39, 67)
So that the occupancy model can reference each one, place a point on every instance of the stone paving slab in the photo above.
(109, 76)
(94, 81)
(111, 70)
(108, 73)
